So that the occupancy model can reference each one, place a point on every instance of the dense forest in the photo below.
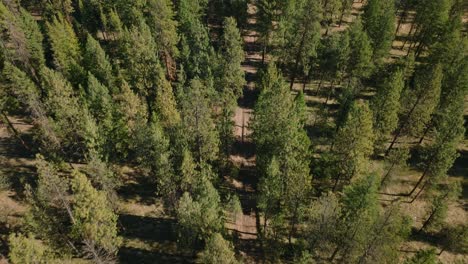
(233, 131)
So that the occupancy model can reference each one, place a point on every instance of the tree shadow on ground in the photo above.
(148, 228)
(142, 190)
(151, 231)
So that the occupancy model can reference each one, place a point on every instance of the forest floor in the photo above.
(245, 227)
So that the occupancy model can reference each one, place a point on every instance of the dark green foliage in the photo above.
(195, 49)
(279, 134)
(334, 56)
(353, 143)
(386, 106)
(96, 61)
(198, 122)
(361, 53)
(161, 20)
(302, 36)
(218, 250)
(66, 49)
(199, 213)
(72, 123)
(379, 23)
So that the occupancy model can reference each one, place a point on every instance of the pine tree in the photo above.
(153, 153)
(386, 106)
(379, 23)
(161, 20)
(130, 115)
(333, 59)
(198, 122)
(231, 79)
(97, 62)
(279, 133)
(166, 105)
(265, 16)
(51, 211)
(92, 15)
(386, 235)
(141, 63)
(439, 157)
(28, 250)
(94, 220)
(322, 219)
(72, 122)
(270, 189)
(199, 214)
(455, 80)
(354, 143)
(359, 211)
(359, 64)
(218, 250)
(22, 40)
(16, 84)
(66, 49)
(431, 18)
(272, 122)
(419, 103)
(102, 109)
(303, 36)
(438, 206)
(34, 46)
(54, 8)
(188, 172)
(195, 50)
(331, 10)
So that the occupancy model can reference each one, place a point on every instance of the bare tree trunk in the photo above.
(386, 175)
(428, 128)
(419, 181)
(408, 37)
(337, 180)
(330, 92)
(419, 193)
(405, 122)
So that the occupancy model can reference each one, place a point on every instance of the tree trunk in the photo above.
(330, 92)
(419, 181)
(400, 129)
(332, 257)
(419, 193)
(320, 84)
(293, 76)
(387, 174)
(408, 37)
(428, 128)
(337, 180)
(427, 221)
